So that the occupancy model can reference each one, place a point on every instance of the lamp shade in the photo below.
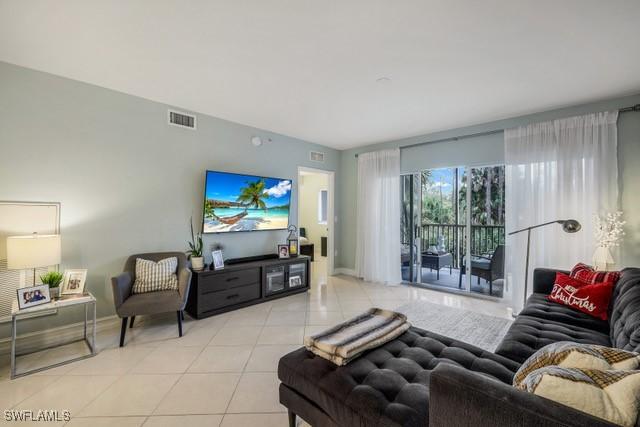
(33, 251)
(570, 226)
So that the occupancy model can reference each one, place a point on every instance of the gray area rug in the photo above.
(473, 328)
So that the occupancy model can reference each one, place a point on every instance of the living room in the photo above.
(200, 200)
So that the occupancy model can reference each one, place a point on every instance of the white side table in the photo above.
(71, 301)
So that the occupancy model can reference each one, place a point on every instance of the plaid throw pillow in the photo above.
(155, 276)
(588, 275)
(569, 354)
(609, 395)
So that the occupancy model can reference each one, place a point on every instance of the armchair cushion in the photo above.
(150, 303)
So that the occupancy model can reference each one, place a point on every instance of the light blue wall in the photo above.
(127, 181)
(490, 150)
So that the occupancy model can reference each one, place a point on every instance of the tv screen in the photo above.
(234, 202)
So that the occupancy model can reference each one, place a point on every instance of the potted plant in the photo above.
(195, 250)
(53, 279)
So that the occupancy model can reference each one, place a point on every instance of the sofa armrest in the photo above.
(121, 287)
(463, 398)
(184, 281)
(544, 278)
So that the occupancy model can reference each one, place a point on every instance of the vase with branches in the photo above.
(608, 232)
(195, 249)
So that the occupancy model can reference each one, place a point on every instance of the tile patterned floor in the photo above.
(222, 372)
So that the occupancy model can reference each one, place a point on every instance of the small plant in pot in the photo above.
(195, 250)
(53, 279)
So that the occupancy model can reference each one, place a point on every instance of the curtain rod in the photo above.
(454, 138)
(493, 132)
(628, 109)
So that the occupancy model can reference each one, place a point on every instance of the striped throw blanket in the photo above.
(346, 341)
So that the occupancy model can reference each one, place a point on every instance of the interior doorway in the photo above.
(316, 219)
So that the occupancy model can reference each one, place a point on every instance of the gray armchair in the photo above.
(129, 305)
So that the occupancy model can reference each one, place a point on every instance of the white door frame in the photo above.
(330, 212)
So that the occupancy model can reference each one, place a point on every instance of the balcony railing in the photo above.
(484, 239)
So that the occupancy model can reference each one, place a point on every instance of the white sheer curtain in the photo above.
(562, 169)
(378, 212)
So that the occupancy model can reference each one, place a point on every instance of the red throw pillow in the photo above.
(592, 299)
(587, 274)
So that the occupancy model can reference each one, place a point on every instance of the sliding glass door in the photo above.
(443, 239)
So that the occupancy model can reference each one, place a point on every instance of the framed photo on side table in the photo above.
(32, 296)
(218, 260)
(73, 282)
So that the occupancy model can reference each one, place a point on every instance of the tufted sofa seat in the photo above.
(532, 333)
(388, 385)
(539, 307)
(425, 379)
(542, 322)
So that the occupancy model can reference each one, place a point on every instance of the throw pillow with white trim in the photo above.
(155, 276)
(569, 354)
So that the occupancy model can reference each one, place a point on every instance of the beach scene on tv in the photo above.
(245, 203)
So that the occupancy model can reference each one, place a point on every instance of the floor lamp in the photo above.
(568, 226)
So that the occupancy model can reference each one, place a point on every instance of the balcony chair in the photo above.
(130, 305)
(487, 268)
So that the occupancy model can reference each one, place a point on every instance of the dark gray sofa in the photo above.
(422, 378)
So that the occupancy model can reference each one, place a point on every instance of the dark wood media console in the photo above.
(246, 283)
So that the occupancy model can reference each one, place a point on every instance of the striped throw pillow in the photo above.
(155, 276)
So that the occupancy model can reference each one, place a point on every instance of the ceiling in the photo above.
(310, 69)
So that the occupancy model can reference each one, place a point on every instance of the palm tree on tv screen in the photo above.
(209, 211)
(253, 194)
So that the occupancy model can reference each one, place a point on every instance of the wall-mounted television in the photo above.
(235, 202)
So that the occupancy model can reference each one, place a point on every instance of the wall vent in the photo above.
(184, 120)
(316, 156)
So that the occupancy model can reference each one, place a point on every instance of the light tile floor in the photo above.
(222, 372)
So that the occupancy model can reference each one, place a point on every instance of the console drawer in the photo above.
(232, 279)
(236, 295)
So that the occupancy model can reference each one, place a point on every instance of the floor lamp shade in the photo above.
(33, 251)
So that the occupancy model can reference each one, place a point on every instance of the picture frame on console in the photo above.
(283, 251)
(218, 260)
(295, 281)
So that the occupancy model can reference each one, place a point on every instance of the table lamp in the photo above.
(31, 252)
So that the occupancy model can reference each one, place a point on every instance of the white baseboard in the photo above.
(346, 271)
(34, 341)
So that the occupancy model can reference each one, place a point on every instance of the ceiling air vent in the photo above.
(316, 156)
(183, 120)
